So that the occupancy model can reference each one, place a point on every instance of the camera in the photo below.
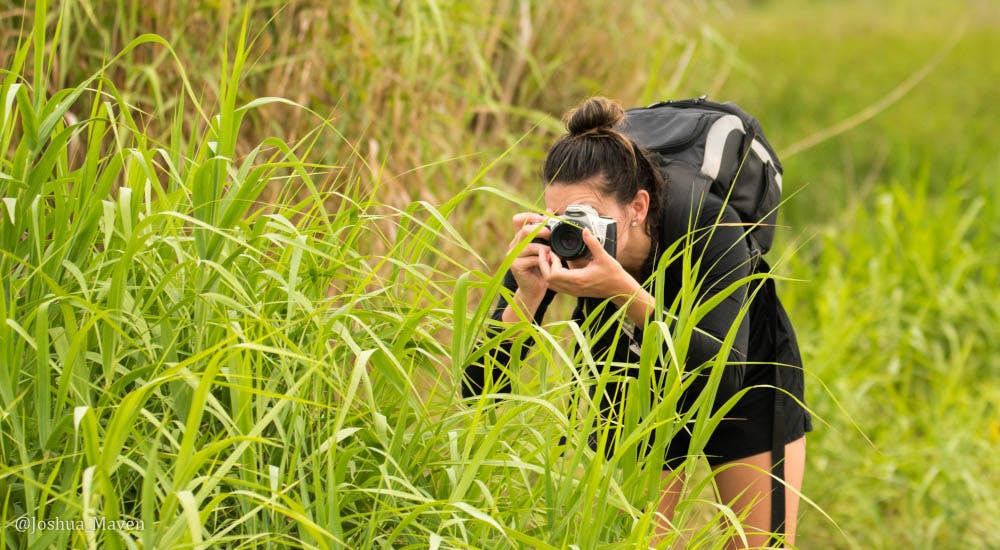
(566, 232)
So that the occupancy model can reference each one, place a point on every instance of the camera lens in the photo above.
(566, 241)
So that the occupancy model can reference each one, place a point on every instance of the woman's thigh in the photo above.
(745, 485)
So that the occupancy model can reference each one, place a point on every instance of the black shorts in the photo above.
(747, 427)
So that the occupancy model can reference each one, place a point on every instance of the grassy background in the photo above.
(238, 319)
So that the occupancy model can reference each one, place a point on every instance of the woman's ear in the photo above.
(639, 207)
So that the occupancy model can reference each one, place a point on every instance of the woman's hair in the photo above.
(595, 148)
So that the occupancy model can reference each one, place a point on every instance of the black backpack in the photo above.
(724, 148)
(721, 146)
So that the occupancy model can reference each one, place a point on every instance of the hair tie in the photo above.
(599, 131)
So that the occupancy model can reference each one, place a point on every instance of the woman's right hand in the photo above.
(530, 283)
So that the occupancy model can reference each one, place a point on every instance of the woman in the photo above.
(596, 165)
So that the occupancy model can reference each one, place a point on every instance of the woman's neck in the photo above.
(637, 250)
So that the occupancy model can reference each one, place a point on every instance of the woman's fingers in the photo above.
(527, 218)
(527, 227)
(555, 263)
(526, 264)
(594, 245)
(544, 265)
(531, 250)
(552, 269)
(521, 218)
(600, 277)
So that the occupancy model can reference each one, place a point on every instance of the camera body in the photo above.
(566, 232)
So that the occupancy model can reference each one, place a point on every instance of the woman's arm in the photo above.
(530, 294)
(720, 251)
(724, 260)
(477, 375)
(527, 303)
(639, 303)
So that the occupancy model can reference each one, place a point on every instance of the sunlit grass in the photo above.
(241, 319)
(234, 372)
(902, 328)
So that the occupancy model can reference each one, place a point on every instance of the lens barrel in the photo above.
(566, 240)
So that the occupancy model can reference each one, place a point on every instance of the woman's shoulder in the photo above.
(690, 205)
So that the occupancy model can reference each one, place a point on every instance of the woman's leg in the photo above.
(669, 497)
(745, 483)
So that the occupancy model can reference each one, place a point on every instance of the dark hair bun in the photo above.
(595, 114)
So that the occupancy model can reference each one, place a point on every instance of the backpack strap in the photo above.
(778, 461)
(777, 425)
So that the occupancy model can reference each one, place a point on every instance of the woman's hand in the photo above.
(603, 277)
(530, 283)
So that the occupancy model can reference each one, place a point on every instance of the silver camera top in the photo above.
(566, 232)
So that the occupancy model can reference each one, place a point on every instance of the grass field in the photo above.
(246, 249)
(897, 311)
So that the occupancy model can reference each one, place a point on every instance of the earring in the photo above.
(634, 223)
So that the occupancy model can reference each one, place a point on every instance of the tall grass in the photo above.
(902, 329)
(175, 355)
(401, 81)
(240, 319)
(153, 322)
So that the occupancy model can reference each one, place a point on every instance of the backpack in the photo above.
(726, 149)
(721, 146)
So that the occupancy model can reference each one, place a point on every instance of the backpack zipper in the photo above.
(701, 101)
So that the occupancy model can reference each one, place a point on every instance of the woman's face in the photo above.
(560, 195)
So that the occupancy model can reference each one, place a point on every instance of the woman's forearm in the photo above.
(528, 305)
(640, 304)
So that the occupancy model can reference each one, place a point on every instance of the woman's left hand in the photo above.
(603, 277)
